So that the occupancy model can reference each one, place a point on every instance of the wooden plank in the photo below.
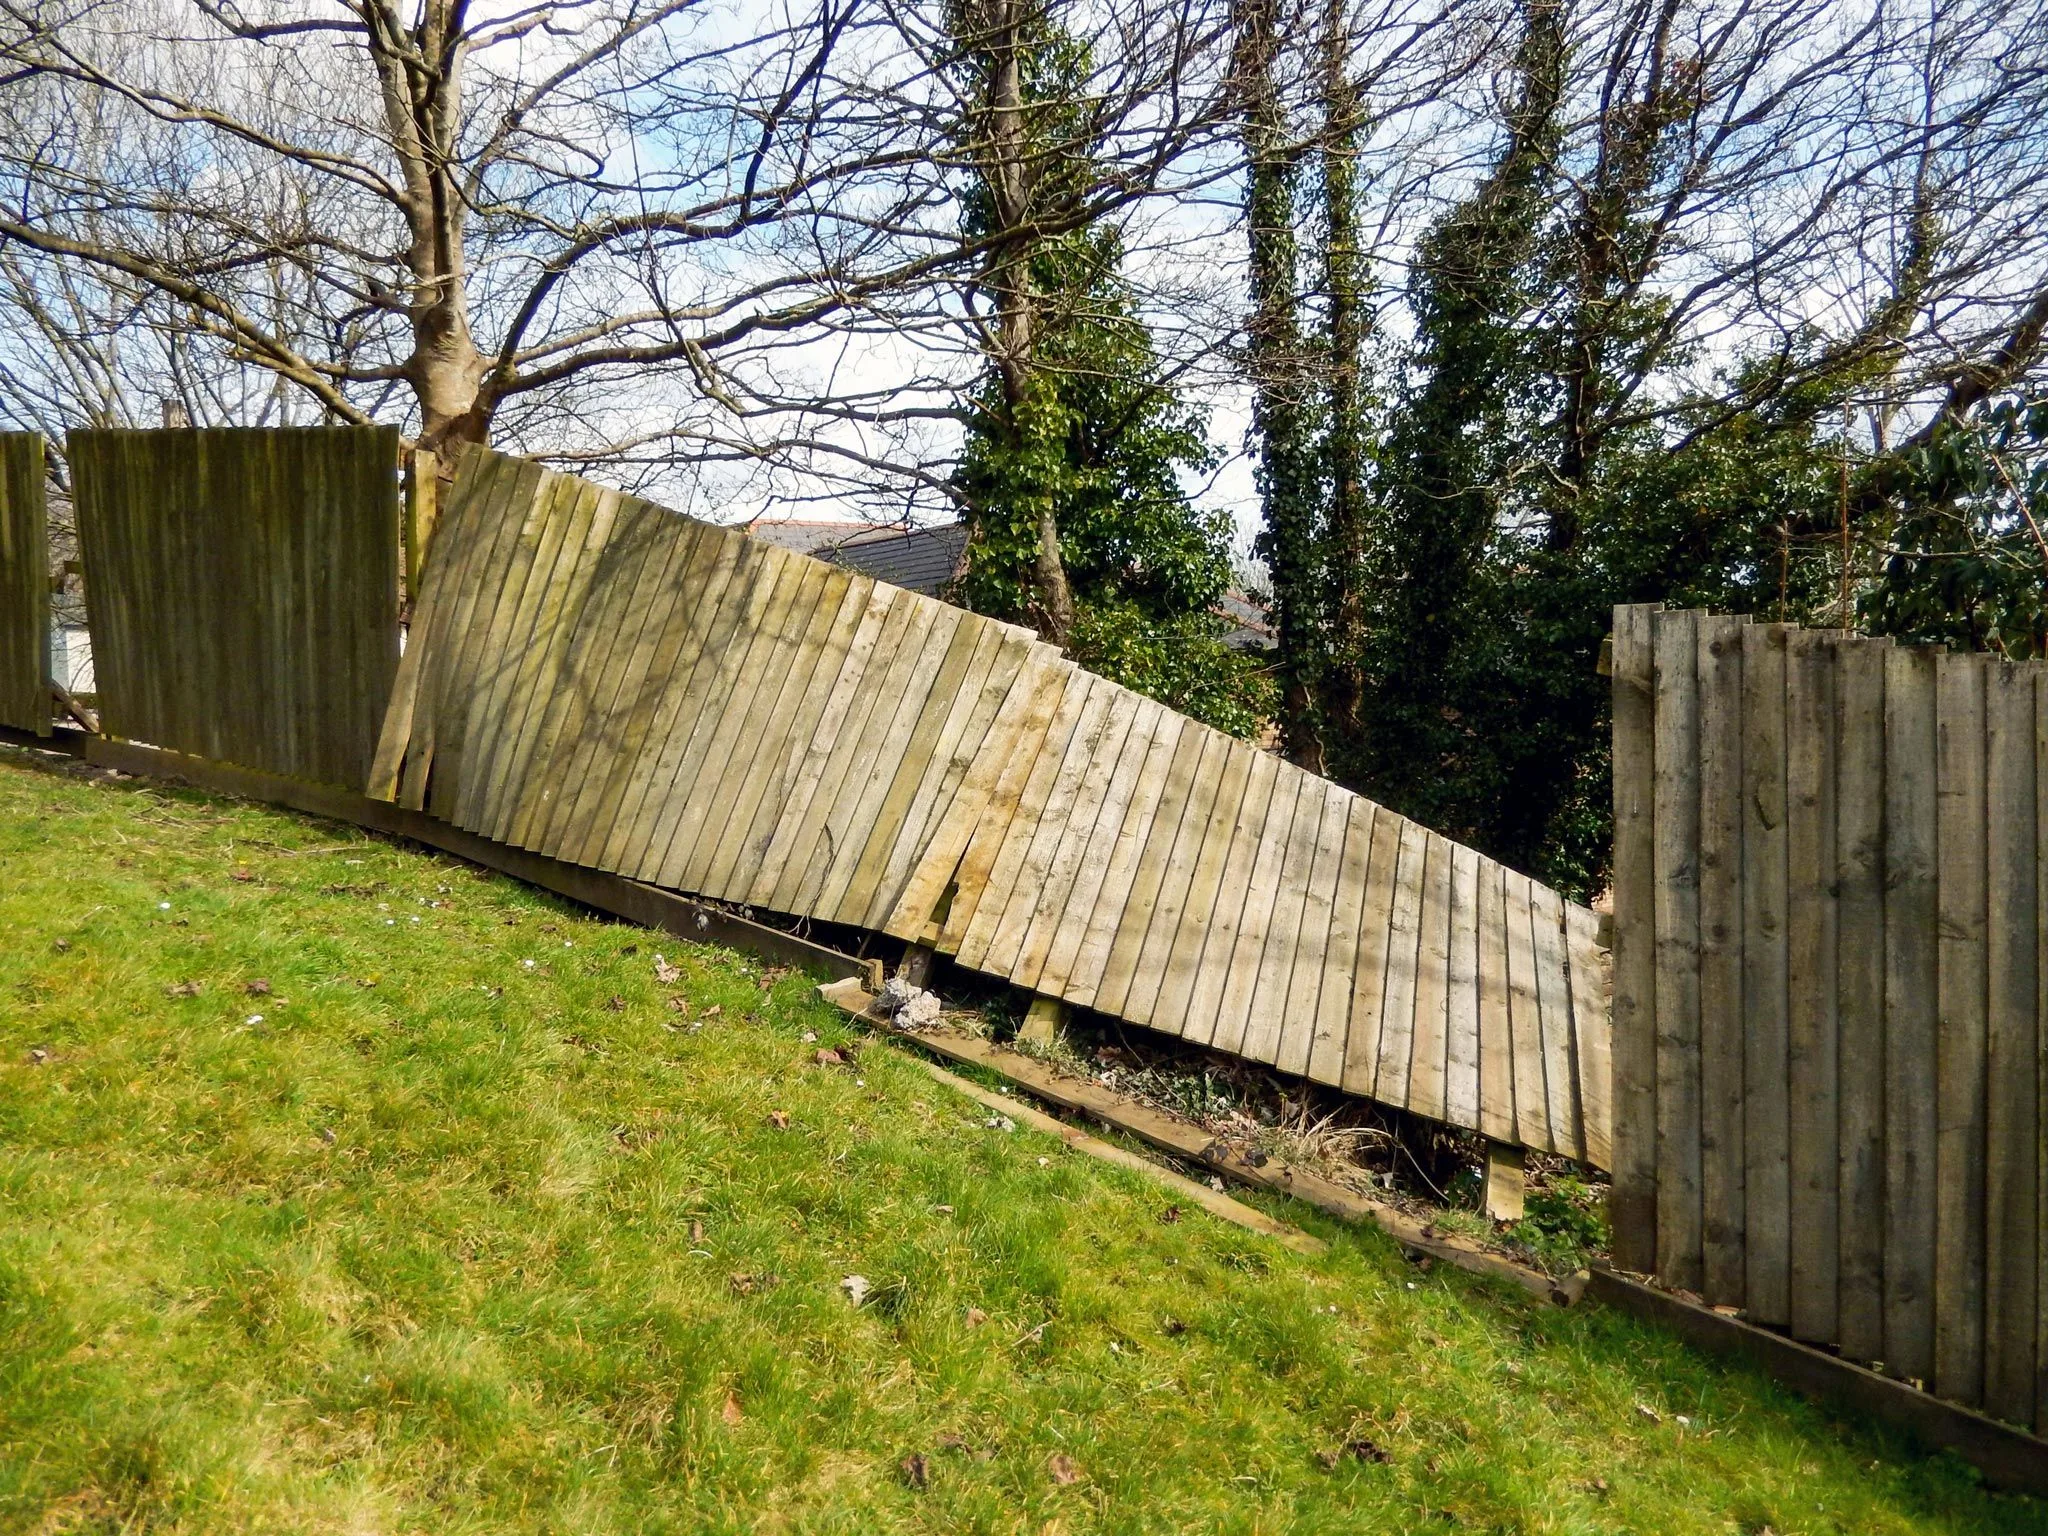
(1033, 743)
(1676, 813)
(1197, 760)
(1403, 963)
(1209, 924)
(1960, 1040)
(1369, 971)
(1724, 1268)
(1263, 892)
(1297, 1013)
(1008, 748)
(1496, 1038)
(1461, 1013)
(997, 879)
(1427, 1043)
(1134, 781)
(1161, 781)
(1340, 944)
(1293, 957)
(1632, 1204)
(24, 585)
(2013, 1108)
(2041, 1029)
(1815, 1152)
(1525, 1015)
(1173, 949)
(1591, 988)
(1859, 993)
(1909, 1013)
(1560, 1065)
(1767, 1179)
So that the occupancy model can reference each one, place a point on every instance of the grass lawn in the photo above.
(467, 1225)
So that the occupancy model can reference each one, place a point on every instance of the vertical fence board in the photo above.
(1725, 1277)
(24, 585)
(1909, 1013)
(1676, 815)
(1766, 1181)
(1859, 1000)
(1633, 1200)
(1814, 1152)
(1960, 1037)
(2012, 925)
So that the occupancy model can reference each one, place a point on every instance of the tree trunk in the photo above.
(1344, 454)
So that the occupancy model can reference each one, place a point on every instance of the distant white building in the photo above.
(71, 658)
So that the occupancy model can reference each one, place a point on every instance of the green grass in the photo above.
(457, 1252)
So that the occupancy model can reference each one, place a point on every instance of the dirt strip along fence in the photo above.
(595, 678)
(1829, 1001)
(244, 587)
(24, 585)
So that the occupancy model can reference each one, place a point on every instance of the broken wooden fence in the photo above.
(598, 679)
(24, 586)
(244, 591)
(1829, 1013)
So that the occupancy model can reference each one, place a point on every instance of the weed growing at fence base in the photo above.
(342, 1187)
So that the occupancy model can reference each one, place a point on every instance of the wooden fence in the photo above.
(1829, 970)
(244, 590)
(592, 677)
(24, 586)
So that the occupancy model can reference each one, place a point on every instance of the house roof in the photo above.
(921, 559)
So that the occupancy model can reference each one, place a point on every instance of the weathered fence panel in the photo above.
(597, 679)
(245, 591)
(1830, 1058)
(24, 585)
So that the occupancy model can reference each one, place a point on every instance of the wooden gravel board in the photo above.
(2013, 1108)
(1173, 948)
(1725, 1270)
(1183, 802)
(1216, 906)
(1370, 972)
(1960, 1039)
(1293, 1016)
(1591, 987)
(1815, 1153)
(1859, 994)
(1676, 828)
(1767, 1185)
(24, 585)
(1632, 1203)
(1461, 1012)
(1160, 781)
(1909, 1013)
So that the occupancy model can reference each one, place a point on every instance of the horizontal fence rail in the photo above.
(1829, 998)
(244, 591)
(24, 585)
(595, 678)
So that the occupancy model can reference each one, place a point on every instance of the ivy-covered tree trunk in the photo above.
(1290, 535)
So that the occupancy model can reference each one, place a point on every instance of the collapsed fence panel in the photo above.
(24, 585)
(594, 678)
(1830, 952)
(245, 591)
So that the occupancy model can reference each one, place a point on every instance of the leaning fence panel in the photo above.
(24, 586)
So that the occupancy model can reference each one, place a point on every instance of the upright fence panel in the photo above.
(1830, 992)
(24, 585)
(244, 591)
